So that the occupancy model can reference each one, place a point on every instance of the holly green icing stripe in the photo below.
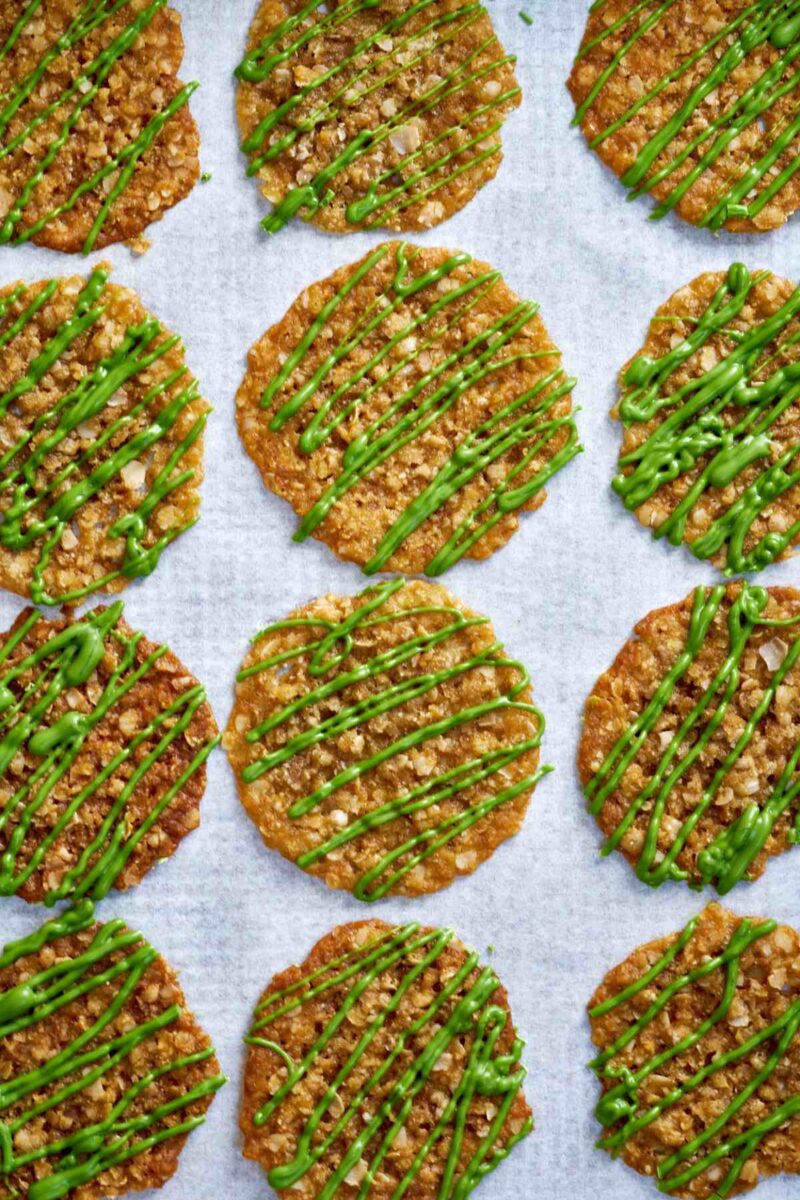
(697, 434)
(69, 659)
(113, 954)
(72, 103)
(774, 23)
(39, 513)
(411, 44)
(327, 658)
(526, 423)
(727, 860)
(463, 1007)
(622, 1109)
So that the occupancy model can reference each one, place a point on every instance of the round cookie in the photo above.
(388, 1060)
(699, 1056)
(691, 739)
(105, 1071)
(103, 742)
(367, 115)
(696, 104)
(96, 137)
(408, 407)
(384, 742)
(710, 411)
(101, 438)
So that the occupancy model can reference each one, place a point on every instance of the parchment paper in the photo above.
(563, 595)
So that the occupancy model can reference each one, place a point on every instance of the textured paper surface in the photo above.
(563, 595)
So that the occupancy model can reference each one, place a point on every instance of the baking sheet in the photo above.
(563, 596)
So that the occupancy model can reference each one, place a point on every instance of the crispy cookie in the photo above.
(696, 102)
(700, 1056)
(710, 410)
(104, 1070)
(691, 742)
(360, 115)
(408, 407)
(101, 442)
(387, 1060)
(384, 742)
(96, 137)
(103, 742)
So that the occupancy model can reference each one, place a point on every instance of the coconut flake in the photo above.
(134, 474)
(774, 652)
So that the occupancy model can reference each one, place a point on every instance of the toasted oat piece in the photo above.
(689, 754)
(105, 1070)
(408, 407)
(96, 137)
(368, 115)
(696, 104)
(700, 1057)
(101, 441)
(387, 1059)
(710, 410)
(384, 742)
(103, 742)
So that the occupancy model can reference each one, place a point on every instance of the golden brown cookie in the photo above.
(384, 742)
(710, 412)
(368, 115)
(388, 1060)
(101, 438)
(103, 742)
(96, 137)
(690, 747)
(699, 1056)
(408, 408)
(696, 102)
(104, 1069)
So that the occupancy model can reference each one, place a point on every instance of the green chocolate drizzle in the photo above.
(395, 45)
(107, 973)
(765, 23)
(30, 685)
(717, 426)
(37, 509)
(66, 110)
(326, 655)
(727, 859)
(464, 1006)
(624, 1114)
(527, 423)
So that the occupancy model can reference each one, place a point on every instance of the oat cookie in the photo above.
(103, 742)
(104, 1069)
(387, 1064)
(696, 103)
(690, 748)
(710, 413)
(699, 1056)
(408, 408)
(96, 137)
(360, 115)
(101, 442)
(384, 742)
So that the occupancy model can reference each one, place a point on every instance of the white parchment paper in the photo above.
(563, 595)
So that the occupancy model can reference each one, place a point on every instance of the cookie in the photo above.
(364, 115)
(710, 413)
(104, 1069)
(408, 408)
(699, 1056)
(387, 1064)
(101, 442)
(103, 742)
(690, 745)
(96, 137)
(385, 742)
(697, 105)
